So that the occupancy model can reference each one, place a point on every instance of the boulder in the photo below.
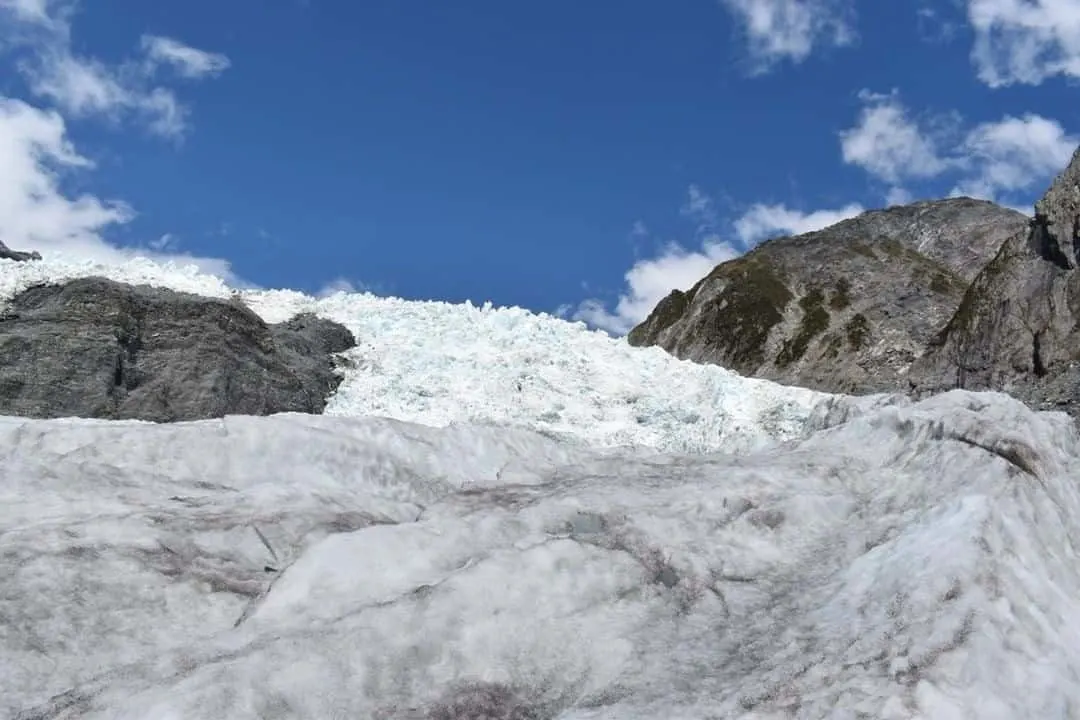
(96, 348)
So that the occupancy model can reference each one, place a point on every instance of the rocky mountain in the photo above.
(845, 309)
(1018, 325)
(101, 349)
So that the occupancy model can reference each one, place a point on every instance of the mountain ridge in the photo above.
(847, 308)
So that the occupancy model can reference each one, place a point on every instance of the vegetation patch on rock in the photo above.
(749, 305)
(666, 314)
(833, 343)
(962, 320)
(857, 330)
(862, 249)
(815, 320)
(841, 297)
(941, 284)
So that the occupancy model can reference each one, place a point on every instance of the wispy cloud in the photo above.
(342, 285)
(652, 279)
(763, 221)
(29, 11)
(83, 86)
(1024, 41)
(700, 209)
(932, 25)
(35, 155)
(779, 30)
(888, 143)
(1014, 153)
(188, 62)
(991, 160)
(34, 152)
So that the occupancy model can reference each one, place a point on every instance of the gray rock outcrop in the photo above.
(845, 309)
(7, 253)
(1018, 326)
(101, 349)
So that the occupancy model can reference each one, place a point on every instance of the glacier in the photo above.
(504, 515)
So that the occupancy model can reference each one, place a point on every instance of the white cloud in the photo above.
(165, 242)
(933, 27)
(340, 285)
(898, 196)
(35, 154)
(83, 86)
(778, 30)
(888, 143)
(33, 212)
(992, 160)
(762, 221)
(700, 209)
(1014, 154)
(649, 281)
(1025, 41)
(30, 11)
(189, 62)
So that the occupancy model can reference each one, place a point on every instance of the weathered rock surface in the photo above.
(845, 309)
(97, 348)
(1018, 327)
(7, 253)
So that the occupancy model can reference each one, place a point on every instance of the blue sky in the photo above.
(580, 158)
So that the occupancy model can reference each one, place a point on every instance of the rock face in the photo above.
(846, 309)
(101, 349)
(7, 253)
(1018, 326)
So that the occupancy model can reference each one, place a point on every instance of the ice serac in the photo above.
(904, 560)
(844, 309)
(1018, 326)
(96, 348)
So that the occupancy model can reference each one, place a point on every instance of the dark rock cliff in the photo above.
(101, 349)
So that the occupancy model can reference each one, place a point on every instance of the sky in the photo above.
(580, 159)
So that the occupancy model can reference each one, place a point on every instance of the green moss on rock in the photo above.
(832, 344)
(841, 295)
(857, 330)
(892, 247)
(862, 249)
(975, 297)
(666, 313)
(941, 284)
(815, 320)
(745, 310)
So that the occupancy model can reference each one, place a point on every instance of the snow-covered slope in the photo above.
(914, 562)
(898, 561)
(436, 363)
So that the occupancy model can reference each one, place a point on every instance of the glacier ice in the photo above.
(829, 558)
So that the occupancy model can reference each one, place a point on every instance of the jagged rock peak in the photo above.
(1057, 218)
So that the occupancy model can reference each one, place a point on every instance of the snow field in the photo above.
(545, 552)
